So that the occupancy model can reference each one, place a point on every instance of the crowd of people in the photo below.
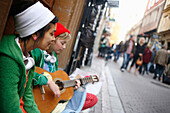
(146, 57)
(38, 40)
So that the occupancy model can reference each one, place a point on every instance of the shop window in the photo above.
(157, 1)
(168, 3)
(155, 15)
(168, 45)
(152, 2)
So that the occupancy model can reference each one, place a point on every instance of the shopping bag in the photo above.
(139, 61)
(152, 69)
(166, 79)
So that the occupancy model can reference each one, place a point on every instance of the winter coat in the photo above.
(40, 79)
(120, 48)
(139, 49)
(161, 57)
(147, 55)
(13, 79)
(153, 56)
(126, 45)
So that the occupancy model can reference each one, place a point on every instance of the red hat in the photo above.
(60, 30)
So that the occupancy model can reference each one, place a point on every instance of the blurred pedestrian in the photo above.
(166, 73)
(156, 44)
(104, 42)
(140, 48)
(146, 59)
(128, 50)
(118, 51)
(152, 59)
(161, 59)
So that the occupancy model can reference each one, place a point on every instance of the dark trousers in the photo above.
(144, 65)
(134, 61)
(159, 71)
(102, 52)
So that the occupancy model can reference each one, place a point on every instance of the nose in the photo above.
(53, 38)
(64, 46)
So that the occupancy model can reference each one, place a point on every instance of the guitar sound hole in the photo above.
(60, 84)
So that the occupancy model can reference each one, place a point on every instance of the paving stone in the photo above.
(140, 94)
(117, 111)
(108, 98)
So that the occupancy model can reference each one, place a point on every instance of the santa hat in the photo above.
(60, 30)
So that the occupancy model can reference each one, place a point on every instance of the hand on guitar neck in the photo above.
(55, 88)
(77, 84)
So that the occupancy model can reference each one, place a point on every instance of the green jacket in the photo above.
(13, 79)
(40, 79)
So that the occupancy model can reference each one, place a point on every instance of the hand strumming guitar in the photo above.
(51, 84)
(54, 87)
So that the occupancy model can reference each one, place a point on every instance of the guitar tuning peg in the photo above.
(96, 78)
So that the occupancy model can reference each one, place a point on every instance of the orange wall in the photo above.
(115, 34)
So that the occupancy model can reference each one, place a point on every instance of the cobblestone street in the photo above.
(140, 94)
(123, 92)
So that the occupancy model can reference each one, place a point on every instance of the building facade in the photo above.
(164, 26)
(151, 19)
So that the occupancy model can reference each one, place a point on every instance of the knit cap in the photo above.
(60, 30)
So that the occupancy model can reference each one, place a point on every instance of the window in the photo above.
(155, 15)
(149, 5)
(152, 3)
(157, 1)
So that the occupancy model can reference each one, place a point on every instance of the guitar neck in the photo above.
(71, 83)
(86, 80)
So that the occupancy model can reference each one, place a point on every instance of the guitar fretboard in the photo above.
(83, 81)
(86, 80)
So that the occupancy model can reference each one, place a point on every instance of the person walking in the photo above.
(152, 60)
(140, 48)
(118, 51)
(104, 43)
(129, 49)
(146, 59)
(161, 59)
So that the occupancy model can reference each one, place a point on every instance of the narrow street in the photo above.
(134, 94)
(140, 94)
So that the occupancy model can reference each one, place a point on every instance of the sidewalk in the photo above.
(108, 98)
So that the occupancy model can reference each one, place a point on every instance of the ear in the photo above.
(34, 36)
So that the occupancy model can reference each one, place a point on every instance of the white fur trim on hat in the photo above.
(32, 19)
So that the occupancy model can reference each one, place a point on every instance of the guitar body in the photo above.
(50, 102)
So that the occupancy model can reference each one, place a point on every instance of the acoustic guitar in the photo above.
(44, 97)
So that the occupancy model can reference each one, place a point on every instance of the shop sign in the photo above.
(113, 3)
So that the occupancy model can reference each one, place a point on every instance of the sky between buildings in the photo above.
(129, 13)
